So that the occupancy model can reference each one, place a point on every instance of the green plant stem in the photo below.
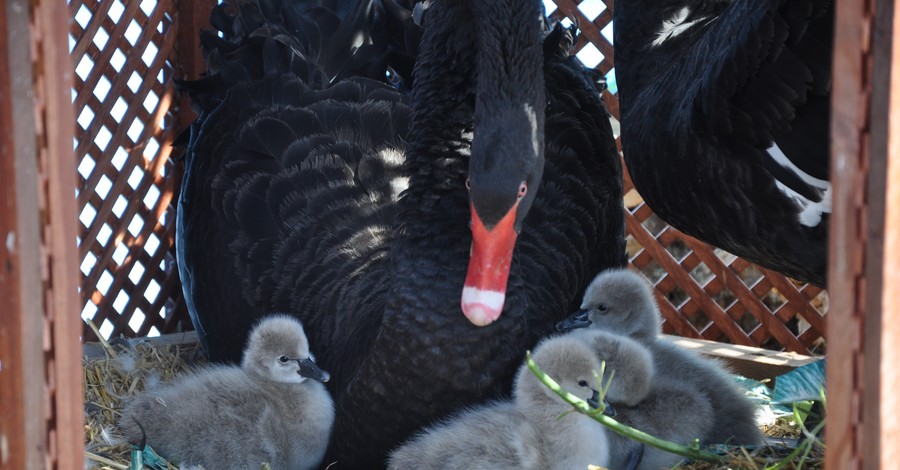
(809, 441)
(582, 407)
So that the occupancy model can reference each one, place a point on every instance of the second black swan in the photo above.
(725, 122)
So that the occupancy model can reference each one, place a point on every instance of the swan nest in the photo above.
(115, 372)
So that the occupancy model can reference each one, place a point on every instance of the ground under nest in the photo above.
(113, 373)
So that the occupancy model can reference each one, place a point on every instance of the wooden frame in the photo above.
(864, 265)
(22, 432)
(40, 377)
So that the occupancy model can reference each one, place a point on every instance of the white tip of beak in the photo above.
(482, 307)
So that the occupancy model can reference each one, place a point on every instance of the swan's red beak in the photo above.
(492, 250)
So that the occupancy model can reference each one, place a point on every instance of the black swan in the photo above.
(273, 408)
(290, 200)
(725, 122)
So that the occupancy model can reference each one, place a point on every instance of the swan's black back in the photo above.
(702, 108)
(291, 205)
(247, 195)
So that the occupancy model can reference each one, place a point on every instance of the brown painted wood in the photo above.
(116, 35)
(158, 125)
(119, 88)
(665, 259)
(880, 428)
(797, 299)
(12, 375)
(889, 399)
(590, 30)
(53, 88)
(100, 19)
(193, 17)
(17, 444)
(748, 361)
(135, 160)
(846, 276)
(22, 429)
(772, 325)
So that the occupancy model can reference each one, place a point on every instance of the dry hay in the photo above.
(113, 373)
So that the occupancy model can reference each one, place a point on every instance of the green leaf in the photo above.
(805, 383)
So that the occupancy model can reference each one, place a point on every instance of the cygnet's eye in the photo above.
(601, 308)
(284, 359)
(582, 383)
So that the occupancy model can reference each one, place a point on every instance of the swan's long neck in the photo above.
(422, 322)
(510, 61)
(486, 53)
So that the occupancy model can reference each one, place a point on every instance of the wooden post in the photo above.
(864, 255)
(881, 401)
(193, 17)
(23, 430)
(40, 354)
(55, 118)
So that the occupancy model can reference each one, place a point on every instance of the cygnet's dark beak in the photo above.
(574, 321)
(594, 403)
(310, 370)
(594, 400)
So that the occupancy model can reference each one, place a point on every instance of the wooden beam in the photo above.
(846, 280)
(193, 17)
(23, 431)
(881, 431)
(187, 340)
(889, 399)
(55, 120)
(864, 251)
(748, 361)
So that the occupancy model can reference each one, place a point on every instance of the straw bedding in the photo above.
(121, 371)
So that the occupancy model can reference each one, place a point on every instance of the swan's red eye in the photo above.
(468, 184)
(523, 190)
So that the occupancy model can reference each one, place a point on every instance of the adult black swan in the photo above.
(725, 115)
(290, 202)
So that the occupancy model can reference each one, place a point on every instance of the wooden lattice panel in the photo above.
(703, 292)
(123, 54)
